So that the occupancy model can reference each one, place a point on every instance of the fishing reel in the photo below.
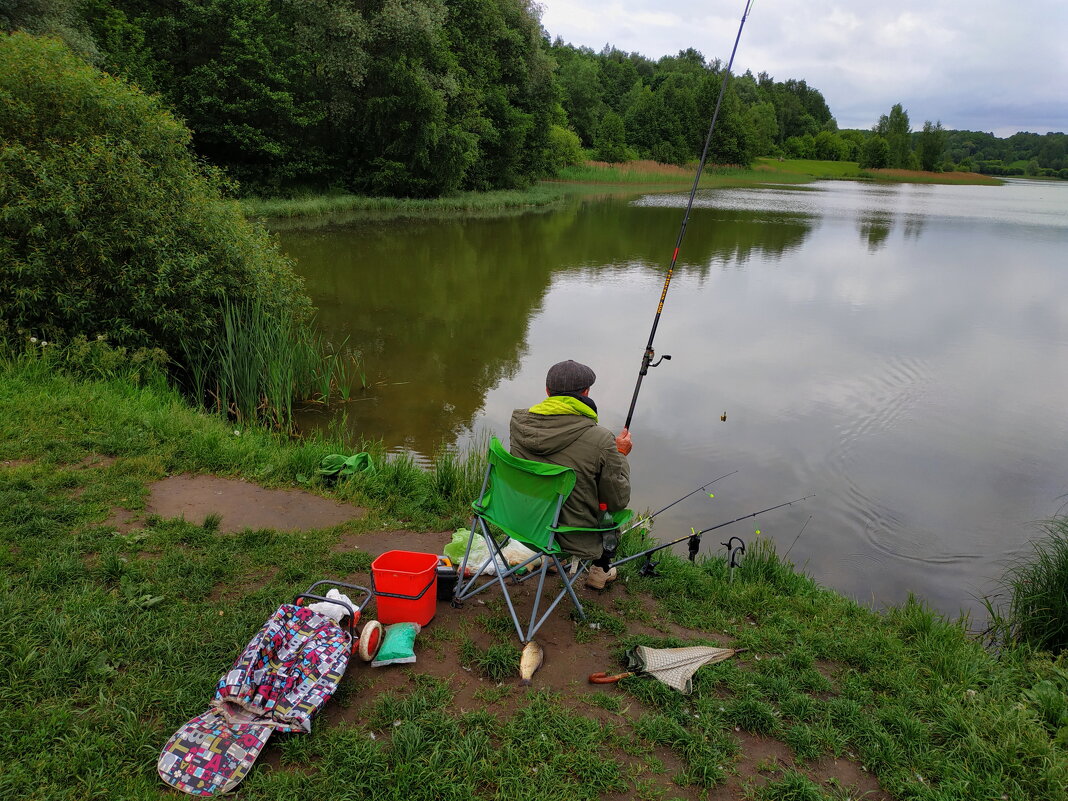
(647, 361)
(649, 568)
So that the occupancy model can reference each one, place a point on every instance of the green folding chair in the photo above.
(523, 499)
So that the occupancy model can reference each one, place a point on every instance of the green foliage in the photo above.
(829, 146)
(414, 98)
(497, 662)
(800, 147)
(565, 149)
(875, 154)
(894, 128)
(110, 226)
(610, 142)
(764, 127)
(792, 786)
(61, 19)
(255, 367)
(931, 145)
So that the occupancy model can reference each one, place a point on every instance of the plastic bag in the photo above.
(479, 553)
(398, 645)
(515, 553)
(333, 611)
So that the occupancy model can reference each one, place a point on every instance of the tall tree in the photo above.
(931, 145)
(763, 127)
(403, 140)
(875, 153)
(580, 84)
(894, 128)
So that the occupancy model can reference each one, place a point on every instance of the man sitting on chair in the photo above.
(563, 430)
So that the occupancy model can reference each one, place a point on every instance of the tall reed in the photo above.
(1038, 586)
(262, 362)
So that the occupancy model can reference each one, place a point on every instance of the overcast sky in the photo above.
(975, 65)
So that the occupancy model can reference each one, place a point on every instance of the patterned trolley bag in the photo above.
(282, 678)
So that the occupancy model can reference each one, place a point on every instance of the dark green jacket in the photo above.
(562, 430)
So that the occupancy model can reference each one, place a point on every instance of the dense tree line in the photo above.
(413, 97)
(625, 106)
(403, 97)
(1020, 154)
(892, 143)
(425, 97)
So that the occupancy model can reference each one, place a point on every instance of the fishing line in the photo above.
(802, 531)
(647, 357)
(647, 518)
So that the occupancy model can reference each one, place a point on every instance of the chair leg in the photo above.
(568, 590)
(537, 599)
(570, 582)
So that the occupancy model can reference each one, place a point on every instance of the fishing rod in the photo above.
(802, 531)
(695, 536)
(647, 357)
(647, 518)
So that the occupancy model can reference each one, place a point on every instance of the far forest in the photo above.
(421, 98)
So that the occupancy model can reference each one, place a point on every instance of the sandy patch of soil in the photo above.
(241, 505)
(377, 543)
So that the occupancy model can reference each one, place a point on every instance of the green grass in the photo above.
(809, 168)
(111, 641)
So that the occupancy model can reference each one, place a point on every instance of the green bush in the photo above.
(109, 225)
(565, 149)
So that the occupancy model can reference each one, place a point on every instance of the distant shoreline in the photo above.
(593, 178)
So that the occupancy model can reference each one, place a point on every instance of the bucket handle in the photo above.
(380, 594)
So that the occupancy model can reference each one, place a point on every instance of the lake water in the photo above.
(899, 351)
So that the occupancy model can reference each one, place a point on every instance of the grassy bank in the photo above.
(113, 640)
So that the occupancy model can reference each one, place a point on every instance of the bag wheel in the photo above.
(370, 640)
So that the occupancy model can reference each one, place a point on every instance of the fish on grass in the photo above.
(530, 661)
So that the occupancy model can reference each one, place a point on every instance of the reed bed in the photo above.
(651, 173)
(1037, 585)
(920, 177)
(263, 362)
(462, 202)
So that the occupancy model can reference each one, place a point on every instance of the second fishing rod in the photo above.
(649, 355)
(695, 536)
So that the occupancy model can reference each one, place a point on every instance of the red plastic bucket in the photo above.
(405, 586)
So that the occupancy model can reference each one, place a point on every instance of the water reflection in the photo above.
(440, 309)
(874, 228)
